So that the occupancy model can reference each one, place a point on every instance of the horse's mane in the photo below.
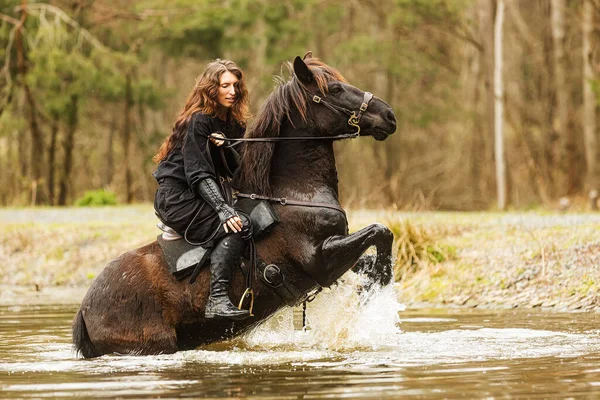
(255, 167)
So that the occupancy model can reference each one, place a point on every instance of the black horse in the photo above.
(136, 306)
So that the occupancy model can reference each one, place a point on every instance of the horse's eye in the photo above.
(335, 89)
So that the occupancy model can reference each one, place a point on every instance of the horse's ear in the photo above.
(307, 55)
(302, 71)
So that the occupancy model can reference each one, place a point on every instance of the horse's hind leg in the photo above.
(149, 335)
(340, 253)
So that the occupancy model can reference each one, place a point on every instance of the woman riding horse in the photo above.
(191, 197)
(135, 305)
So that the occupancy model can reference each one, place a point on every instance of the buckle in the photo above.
(277, 270)
(253, 196)
(283, 201)
(316, 99)
(363, 107)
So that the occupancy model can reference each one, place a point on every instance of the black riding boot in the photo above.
(224, 258)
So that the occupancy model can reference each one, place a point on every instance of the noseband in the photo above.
(354, 118)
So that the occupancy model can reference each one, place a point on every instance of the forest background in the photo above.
(90, 88)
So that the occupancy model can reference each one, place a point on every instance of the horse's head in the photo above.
(337, 107)
(316, 102)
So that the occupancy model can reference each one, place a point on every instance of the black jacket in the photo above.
(176, 201)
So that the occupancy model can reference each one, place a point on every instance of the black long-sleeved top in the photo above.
(192, 161)
(176, 201)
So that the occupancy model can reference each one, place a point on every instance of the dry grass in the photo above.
(417, 247)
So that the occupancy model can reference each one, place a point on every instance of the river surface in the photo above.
(377, 350)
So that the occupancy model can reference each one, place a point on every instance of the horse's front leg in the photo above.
(340, 253)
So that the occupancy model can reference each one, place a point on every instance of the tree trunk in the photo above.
(486, 19)
(108, 156)
(498, 108)
(258, 59)
(563, 152)
(127, 123)
(589, 99)
(52, 159)
(478, 71)
(549, 133)
(68, 145)
(36, 158)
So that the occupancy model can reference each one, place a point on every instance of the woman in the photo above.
(193, 171)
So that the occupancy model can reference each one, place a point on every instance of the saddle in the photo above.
(181, 257)
(185, 259)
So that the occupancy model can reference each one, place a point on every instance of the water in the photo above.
(372, 351)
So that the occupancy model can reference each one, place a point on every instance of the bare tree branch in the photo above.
(9, 19)
(520, 24)
(11, 38)
(41, 7)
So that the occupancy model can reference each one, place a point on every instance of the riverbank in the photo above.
(547, 260)
(511, 260)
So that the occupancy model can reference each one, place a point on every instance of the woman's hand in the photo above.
(234, 224)
(214, 138)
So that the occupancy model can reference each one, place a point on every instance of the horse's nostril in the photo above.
(391, 117)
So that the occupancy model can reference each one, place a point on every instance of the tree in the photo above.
(589, 99)
(499, 109)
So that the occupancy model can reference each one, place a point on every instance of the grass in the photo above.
(417, 247)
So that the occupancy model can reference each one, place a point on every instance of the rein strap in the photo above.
(285, 202)
(282, 139)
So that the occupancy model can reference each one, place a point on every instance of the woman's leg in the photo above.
(224, 258)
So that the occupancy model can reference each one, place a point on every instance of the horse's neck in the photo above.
(305, 167)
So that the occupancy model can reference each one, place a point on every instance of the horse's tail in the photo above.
(81, 339)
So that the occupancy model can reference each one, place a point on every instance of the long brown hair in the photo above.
(203, 98)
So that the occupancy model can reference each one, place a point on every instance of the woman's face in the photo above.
(227, 93)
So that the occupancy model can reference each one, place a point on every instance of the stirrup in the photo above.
(250, 292)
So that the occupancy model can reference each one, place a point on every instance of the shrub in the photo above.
(416, 248)
(98, 197)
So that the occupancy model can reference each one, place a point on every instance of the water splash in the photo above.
(341, 319)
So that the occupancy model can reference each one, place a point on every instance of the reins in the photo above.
(353, 120)
(285, 202)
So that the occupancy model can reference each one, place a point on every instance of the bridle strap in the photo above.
(285, 202)
(365, 104)
(368, 96)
